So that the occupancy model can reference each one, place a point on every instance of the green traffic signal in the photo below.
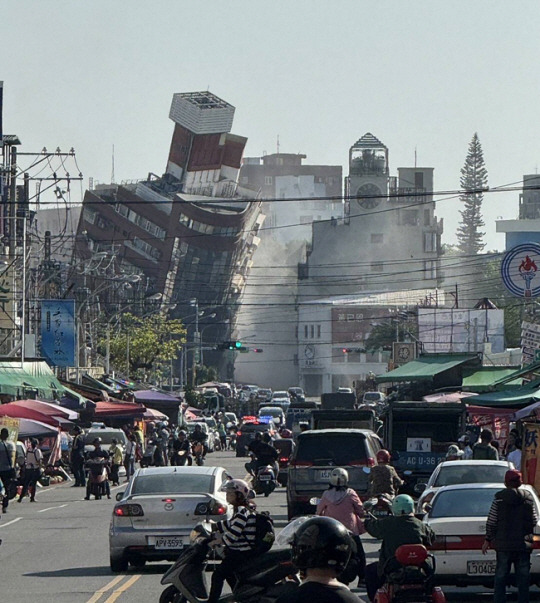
(237, 344)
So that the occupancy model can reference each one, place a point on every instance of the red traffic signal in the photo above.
(257, 350)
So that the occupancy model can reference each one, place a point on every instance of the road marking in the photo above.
(49, 508)
(97, 595)
(5, 525)
(122, 589)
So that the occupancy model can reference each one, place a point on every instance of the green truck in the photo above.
(418, 434)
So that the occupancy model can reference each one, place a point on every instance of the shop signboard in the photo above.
(529, 455)
(58, 331)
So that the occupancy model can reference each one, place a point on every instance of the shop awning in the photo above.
(20, 412)
(509, 398)
(156, 398)
(485, 378)
(425, 368)
(532, 411)
(47, 408)
(118, 409)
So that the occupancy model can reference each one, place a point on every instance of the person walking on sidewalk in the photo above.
(509, 530)
(8, 473)
(116, 452)
(32, 470)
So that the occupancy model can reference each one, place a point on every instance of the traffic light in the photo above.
(257, 350)
(232, 345)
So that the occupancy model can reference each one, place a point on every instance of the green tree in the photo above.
(473, 179)
(145, 343)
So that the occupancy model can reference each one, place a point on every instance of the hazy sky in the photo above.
(424, 74)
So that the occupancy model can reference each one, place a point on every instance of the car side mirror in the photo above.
(120, 495)
(427, 507)
(420, 487)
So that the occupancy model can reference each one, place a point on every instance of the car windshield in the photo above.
(470, 502)
(171, 483)
(469, 474)
(373, 396)
(262, 427)
(280, 395)
(325, 449)
(211, 422)
(268, 411)
(106, 437)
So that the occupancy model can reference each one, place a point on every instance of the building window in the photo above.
(312, 331)
(305, 331)
(377, 267)
(89, 215)
(430, 241)
(268, 180)
(377, 237)
(419, 179)
(430, 269)
(318, 331)
(296, 332)
(338, 355)
(427, 217)
(409, 217)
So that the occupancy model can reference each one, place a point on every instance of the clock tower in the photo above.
(367, 183)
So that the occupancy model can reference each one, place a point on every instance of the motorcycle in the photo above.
(97, 476)
(263, 580)
(198, 453)
(265, 481)
(180, 458)
(379, 505)
(409, 577)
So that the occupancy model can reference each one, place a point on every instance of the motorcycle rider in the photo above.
(181, 444)
(199, 437)
(237, 534)
(383, 478)
(343, 504)
(98, 453)
(163, 442)
(321, 549)
(265, 454)
(394, 530)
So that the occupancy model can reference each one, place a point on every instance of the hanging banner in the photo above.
(58, 331)
(496, 419)
(530, 466)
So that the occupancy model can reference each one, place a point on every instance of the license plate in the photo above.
(324, 475)
(169, 543)
(264, 478)
(481, 568)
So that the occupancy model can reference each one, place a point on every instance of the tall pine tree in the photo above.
(473, 178)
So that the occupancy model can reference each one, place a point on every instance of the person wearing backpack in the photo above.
(238, 535)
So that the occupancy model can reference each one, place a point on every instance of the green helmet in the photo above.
(403, 505)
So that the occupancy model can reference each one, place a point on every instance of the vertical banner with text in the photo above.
(530, 452)
(58, 331)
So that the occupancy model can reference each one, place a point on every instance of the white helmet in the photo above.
(339, 477)
(237, 485)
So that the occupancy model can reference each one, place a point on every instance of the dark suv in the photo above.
(246, 433)
(320, 451)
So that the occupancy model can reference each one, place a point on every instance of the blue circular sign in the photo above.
(520, 270)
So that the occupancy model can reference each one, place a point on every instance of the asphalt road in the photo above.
(57, 550)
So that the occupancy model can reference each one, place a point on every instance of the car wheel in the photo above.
(118, 564)
(172, 595)
(138, 563)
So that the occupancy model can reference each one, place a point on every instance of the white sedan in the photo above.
(153, 518)
(458, 516)
(450, 473)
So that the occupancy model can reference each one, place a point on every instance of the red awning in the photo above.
(22, 412)
(118, 409)
(47, 408)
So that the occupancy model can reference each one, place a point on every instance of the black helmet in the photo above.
(321, 542)
(266, 437)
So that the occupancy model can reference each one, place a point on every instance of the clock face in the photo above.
(368, 196)
(309, 352)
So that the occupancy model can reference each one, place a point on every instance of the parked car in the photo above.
(153, 518)
(281, 398)
(107, 435)
(247, 430)
(317, 453)
(275, 412)
(211, 440)
(458, 515)
(450, 473)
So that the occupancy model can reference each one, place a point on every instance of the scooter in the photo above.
(262, 580)
(97, 476)
(264, 481)
(198, 453)
(180, 458)
(409, 577)
(379, 505)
